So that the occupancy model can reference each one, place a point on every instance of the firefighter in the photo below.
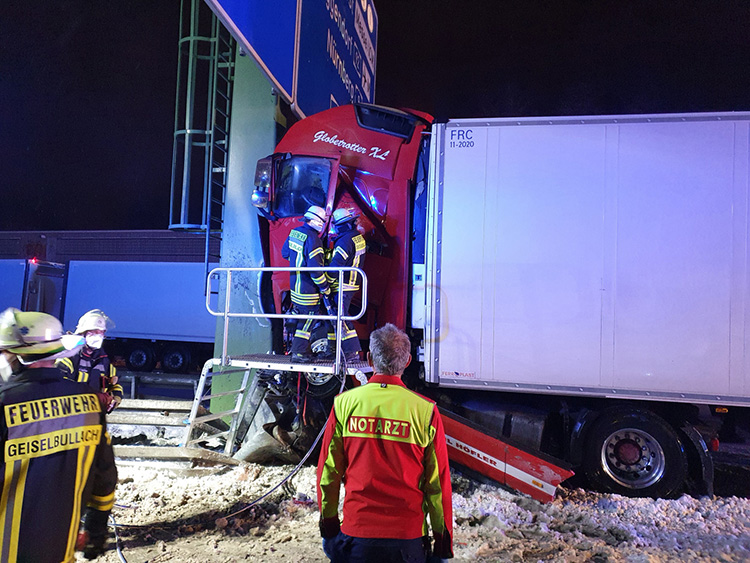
(387, 446)
(348, 250)
(58, 456)
(92, 365)
(303, 248)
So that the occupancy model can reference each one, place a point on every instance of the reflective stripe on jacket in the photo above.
(349, 250)
(93, 367)
(386, 443)
(57, 457)
(304, 249)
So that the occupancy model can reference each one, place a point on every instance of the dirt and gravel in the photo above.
(204, 515)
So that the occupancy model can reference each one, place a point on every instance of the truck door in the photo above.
(299, 181)
(44, 287)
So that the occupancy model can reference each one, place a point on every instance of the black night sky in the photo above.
(87, 89)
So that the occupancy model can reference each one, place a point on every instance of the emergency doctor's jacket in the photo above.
(57, 458)
(387, 445)
(304, 249)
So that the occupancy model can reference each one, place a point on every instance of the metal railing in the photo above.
(227, 313)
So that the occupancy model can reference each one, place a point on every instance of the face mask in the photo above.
(94, 340)
(6, 369)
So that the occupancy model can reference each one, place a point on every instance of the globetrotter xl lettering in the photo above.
(45, 409)
(52, 442)
(326, 138)
(381, 426)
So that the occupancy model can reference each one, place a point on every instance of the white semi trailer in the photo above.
(596, 271)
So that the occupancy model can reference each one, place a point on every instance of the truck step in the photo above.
(287, 363)
(167, 453)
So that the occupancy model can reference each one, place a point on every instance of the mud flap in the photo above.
(535, 474)
(703, 483)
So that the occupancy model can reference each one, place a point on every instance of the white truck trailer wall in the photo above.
(149, 300)
(595, 256)
(12, 274)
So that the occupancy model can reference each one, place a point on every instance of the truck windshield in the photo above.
(301, 181)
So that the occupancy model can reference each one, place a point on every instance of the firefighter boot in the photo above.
(95, 533)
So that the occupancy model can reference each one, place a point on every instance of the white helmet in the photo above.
(34, 336)
(94, 320)
(316, 217)
(343, 215)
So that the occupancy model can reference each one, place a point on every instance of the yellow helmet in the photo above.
(94, 320)
(34, 336)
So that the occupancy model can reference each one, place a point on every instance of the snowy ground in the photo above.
(172, 516)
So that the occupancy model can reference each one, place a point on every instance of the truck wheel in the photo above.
(322, 385)
(635, 453)
(176, 359)
(141, 357)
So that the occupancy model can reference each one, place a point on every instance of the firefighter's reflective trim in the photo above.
(299, 261)
(85, 459)
(349, 251)
(341, 252)
(307, 299)
(304, 332)
(102, 503)
(349, 333)
(52, 408)
(38, 445)
(14, 486)
(114, 388)
(66, 365)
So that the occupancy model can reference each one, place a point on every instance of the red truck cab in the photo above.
(361, 157)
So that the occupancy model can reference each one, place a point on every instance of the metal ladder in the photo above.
(195, 432)
(198, 420)
(200, 153)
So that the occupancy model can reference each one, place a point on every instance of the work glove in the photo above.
(104, 400)
(114, 403)
(442, 547)
(329, 527)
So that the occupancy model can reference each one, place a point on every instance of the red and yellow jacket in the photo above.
(386, 444)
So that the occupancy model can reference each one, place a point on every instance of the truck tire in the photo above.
(635, 453)
(141, 357)
(176, 359)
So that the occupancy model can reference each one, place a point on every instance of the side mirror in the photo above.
(263, 173)
(259, 198)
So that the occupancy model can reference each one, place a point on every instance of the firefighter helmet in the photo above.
(34, 336)
(316, 217)
(343, 215)
(94, 320)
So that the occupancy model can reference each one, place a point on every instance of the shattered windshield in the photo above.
(301, 181)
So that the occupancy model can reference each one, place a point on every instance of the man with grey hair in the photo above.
(386, 444)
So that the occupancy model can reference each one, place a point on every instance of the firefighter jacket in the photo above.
(92, 366)
(303, 249)
(348, 250)
(57, 458)
(387, 445)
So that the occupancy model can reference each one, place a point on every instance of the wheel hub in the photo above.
(633, 458)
